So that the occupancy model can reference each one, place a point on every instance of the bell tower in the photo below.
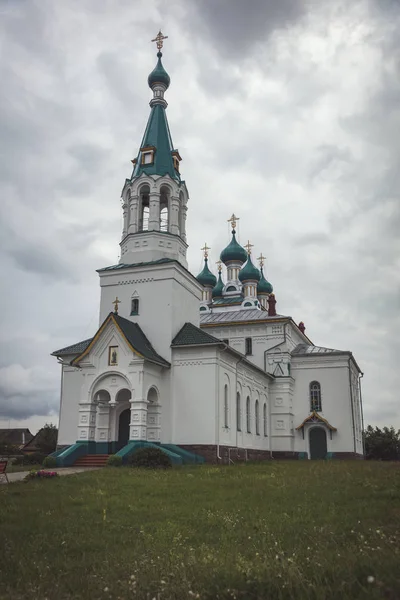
(154, 199)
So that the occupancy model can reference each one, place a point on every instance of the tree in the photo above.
(47, 439)
(382, 444)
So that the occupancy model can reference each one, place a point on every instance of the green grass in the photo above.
(18, 468)
(310, 530)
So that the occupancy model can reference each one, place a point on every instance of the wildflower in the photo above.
(370, 579)
(106, 589)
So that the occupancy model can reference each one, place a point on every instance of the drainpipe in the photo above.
(360, 376)
(352, 409)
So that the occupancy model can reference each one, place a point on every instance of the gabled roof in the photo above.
(191, 335)
(133, 334)
(316, 418)
(15, 436)
(77, 348)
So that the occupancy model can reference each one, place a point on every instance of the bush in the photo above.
(114, 461)
(150, 458)
(50, 462)
(36, 458)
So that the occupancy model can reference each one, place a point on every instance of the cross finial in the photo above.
(219, 264)
(248, 247)
(116, 302)
(159, 39)
(233, 220)
(261, 258)
(205, 250)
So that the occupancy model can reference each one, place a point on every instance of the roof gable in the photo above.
(190, 335)
(134, 336)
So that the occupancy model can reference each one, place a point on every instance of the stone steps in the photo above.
(92, 460)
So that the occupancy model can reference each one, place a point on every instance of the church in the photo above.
(204, 367)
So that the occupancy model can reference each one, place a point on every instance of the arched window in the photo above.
(248, 346)
(257, 413)
(226, 424)
(145, 218)
(238, 413)
(315, 396)
(265, 419)
(135, 306)
(164, 219)
(248, 421)
(231, 288)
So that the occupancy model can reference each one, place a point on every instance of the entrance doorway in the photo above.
(318, 446)
(123, 427)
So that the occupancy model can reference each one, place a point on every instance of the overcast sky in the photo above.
(286, 113)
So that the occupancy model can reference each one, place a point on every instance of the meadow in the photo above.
(275, 530)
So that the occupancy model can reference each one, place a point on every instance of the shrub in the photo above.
(50, 462)
(36, 458)
(150, 458)
(114, 461)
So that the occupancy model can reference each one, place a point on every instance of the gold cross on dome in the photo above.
(248, 247)
(219, 264)
(159, 39)
(233, 220)
(261, 258)
(205, 250)
(116, 302)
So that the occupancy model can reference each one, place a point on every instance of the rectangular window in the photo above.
(248, 346)
(147, 158)
(135, 306)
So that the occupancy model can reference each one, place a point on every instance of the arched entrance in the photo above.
(318, 445)
(123, 427)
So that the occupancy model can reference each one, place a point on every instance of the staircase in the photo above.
(92, 460)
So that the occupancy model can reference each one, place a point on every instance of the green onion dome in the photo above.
(234, 251)
(206, 277)
(218, 289)
(264, 286)
(249, 272)
(159, 74)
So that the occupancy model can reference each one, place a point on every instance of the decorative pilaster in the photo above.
(103, 423)
(153, 422)
(133, 214)
(87, 422)
(174, 215)
(125, 219)
(138, 425)
(183, 221)
(154, 214)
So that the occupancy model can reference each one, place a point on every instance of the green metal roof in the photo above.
(249, 272)
(191, 335)
(228, 300)
(218, 289)
(233, 251)
(264, 286)
(157, 135)
(206, 277)
(158, 74)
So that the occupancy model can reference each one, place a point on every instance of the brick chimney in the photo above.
(271, 305)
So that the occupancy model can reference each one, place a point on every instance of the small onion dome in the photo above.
(206, 278)
(218, 289)
(159, 74)
(233, 252)
(249, 272)
(264, 286)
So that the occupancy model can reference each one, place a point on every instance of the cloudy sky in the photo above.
(286, 113)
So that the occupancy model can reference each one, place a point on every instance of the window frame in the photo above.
(134, 301)
(248, 415)
(265, 421)
(226, 407)
(238, 413)
(257, 416)
(248, 346)
(315, 396)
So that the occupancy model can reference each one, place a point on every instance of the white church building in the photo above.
(203, 367)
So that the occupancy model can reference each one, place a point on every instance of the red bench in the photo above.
(3, 469)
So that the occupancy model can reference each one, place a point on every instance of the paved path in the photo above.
(66, 471)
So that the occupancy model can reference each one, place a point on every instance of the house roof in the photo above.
(15, 435)
(237, 316)
(316, 418)
(133, 334)
(310, 350)
(190, 335)
(77, 348)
